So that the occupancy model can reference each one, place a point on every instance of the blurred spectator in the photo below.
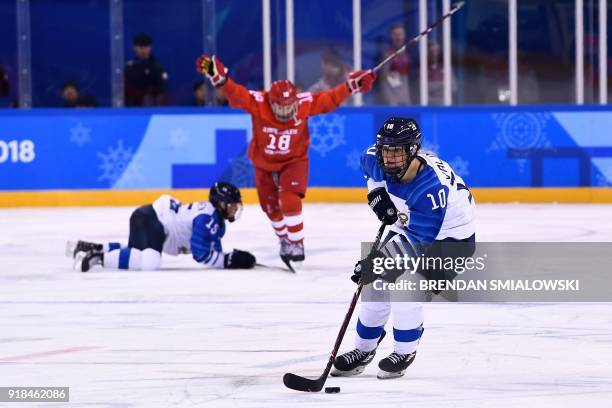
(4, 83)
(220, 99)
(492, 85)
(146, 80)
(299, 86)
(488, 63)
(435, 74)
(393, 87)
(528, 85)
(199, 93)
(4, 90)
(334, 72)
(74, 99)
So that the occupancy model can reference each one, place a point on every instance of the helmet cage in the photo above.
(284, 113)
(230, 211)
(407, 154)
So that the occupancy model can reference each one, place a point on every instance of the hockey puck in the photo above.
(332, 390)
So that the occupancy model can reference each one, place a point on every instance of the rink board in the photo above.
(109, 156)
(87, 198)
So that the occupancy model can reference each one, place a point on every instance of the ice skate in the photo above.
(352, 363)
(285, 247)
(74, 247)
(89, 259)
(297, 251)
(395, 365)
(286, 250)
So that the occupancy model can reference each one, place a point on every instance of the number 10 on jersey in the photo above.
(441, 203)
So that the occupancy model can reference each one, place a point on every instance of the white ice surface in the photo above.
(186, 337)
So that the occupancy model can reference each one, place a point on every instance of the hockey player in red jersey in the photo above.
(279, 148)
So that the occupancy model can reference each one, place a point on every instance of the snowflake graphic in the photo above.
(116, 162)
(132, 176)
(431, 147)
(460, 166)
(179, 137)
(79, 135)
(520, 131)
(241, 172)
(326, 133)
(353, 160)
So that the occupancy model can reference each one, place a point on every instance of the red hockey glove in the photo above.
(361, 81)
(214, 69)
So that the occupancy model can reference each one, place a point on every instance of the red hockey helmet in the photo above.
(283, 100)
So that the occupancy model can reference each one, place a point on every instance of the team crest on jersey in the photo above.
(403, 218)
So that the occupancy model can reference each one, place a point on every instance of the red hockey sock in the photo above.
(291, 204)
(280, 227)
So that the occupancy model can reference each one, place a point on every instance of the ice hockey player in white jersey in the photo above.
(424, 203)
(173, 228)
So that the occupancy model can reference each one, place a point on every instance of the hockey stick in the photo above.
(298, 383)
(278, 268)
(452, 11)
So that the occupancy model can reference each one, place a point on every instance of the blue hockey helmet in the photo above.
(397, 144)
(226, 198)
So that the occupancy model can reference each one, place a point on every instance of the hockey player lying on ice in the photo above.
(173, 228)
(424, 203)
(279, 148)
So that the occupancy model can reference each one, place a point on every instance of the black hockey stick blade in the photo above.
(295, 382)
(298, 383)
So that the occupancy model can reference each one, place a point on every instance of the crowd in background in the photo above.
(75, 63)
(145, 84)
(146, 79)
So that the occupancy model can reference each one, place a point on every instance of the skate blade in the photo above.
(385, 375)
(356, 371)
(78, 260)
(70, 247)
(288, 263)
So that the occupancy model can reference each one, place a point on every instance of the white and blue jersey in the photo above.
(194, 228)
(433, 206)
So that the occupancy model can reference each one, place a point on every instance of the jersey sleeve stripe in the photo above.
(430, 181)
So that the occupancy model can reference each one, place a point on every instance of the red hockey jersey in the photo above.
(275, 143)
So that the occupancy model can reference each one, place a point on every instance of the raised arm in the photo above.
(237, 95)
(327, 101)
